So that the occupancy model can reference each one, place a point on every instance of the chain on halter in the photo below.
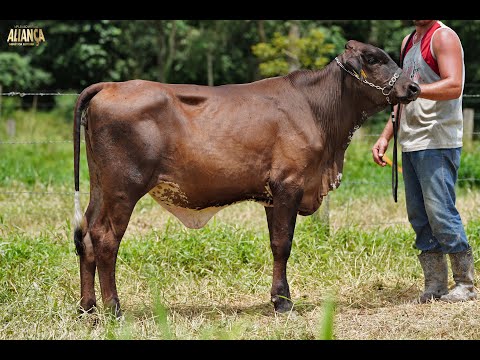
(390, 84)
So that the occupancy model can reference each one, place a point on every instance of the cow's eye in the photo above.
(372, 60)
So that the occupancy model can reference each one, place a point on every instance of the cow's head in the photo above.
(375, 68)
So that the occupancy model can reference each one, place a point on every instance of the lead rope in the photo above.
(394, 161)
(395, 120)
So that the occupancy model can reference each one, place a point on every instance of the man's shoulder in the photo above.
(445, 38)
(445, 33)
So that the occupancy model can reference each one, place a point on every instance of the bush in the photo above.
(469, 172)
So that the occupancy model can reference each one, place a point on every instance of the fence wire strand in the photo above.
(36, 142)
(22, 94)
(344, 184)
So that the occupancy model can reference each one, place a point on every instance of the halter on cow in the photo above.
(196, 149)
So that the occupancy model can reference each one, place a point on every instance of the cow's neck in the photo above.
(339, 105)
(339, 102)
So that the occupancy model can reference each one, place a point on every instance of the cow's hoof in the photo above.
(87, 310)
(90, 316)
(281, 304)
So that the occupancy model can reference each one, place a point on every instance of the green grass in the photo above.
(357, 281)
(40, 156)
(216, 272)
(205, 284)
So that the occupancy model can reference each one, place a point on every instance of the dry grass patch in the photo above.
(433, 321)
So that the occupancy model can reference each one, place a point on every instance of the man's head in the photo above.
(422, 23)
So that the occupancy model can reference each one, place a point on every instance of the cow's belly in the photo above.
(171, 197)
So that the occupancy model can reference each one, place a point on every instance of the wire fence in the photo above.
(325, 208)
(22, 94)
(33, 142)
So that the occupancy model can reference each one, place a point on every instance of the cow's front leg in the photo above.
(281, 220)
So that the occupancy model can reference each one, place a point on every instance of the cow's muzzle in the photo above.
(411, 94)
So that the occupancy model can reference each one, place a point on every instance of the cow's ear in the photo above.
(354, 65)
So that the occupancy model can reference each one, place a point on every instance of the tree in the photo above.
(78, 53)
(216, 52)
(18, 74)
(286, 53)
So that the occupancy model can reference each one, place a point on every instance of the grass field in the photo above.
(357, 281)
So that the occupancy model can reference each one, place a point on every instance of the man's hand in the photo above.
(379, 149)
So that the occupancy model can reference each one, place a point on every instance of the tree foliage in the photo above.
(77, 53)
(18, 74)
(312, 51)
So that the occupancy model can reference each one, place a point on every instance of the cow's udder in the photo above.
(174, 200)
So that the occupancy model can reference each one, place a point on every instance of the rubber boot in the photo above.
(435, 271)
(463, 275)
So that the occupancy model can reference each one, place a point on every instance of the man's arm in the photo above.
(380, 147)
(448, 52)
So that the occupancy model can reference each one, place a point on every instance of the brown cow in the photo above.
(197, 149)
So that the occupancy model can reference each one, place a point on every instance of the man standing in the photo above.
(430, 134)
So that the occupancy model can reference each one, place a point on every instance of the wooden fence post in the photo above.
(468, 125)
(11, 128)
(322, 215)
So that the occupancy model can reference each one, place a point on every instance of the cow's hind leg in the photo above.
(281, 220)
(106, 233)
(97, 241)
(84, 249)
(88, 301)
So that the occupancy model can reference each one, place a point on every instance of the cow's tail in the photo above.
(86, 95)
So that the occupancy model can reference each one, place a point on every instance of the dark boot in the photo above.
(463, 275)
(435, 270)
